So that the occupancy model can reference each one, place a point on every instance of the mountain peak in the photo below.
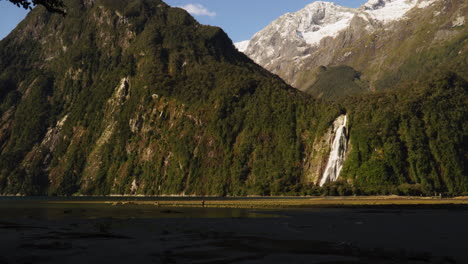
(314, 22)
(303, 29)
(320, 4)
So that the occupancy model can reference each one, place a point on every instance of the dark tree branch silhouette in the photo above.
(55, 6)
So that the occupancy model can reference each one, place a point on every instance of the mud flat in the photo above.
(231, 232)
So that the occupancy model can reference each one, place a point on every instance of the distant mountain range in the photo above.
(136, 97)
(377, 40)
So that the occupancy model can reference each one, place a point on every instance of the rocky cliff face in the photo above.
(328, 155)
(373, 39)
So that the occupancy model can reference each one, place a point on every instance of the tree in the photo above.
(55, 6)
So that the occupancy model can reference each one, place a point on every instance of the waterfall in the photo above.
(337, 153)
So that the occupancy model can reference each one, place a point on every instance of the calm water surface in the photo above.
(102, 207)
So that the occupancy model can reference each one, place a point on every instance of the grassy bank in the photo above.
(290, 202)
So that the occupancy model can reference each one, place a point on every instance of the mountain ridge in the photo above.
(296, 61)
(138, 98)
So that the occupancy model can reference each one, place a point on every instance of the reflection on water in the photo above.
(81, 208)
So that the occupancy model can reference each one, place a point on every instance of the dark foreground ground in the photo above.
(150, 234)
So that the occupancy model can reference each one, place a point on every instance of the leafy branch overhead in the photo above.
(55, 6)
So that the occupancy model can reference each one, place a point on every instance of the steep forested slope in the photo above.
(135, 97)
(416, 134)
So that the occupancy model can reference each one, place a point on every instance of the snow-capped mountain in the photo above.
(294, 34)
(285, 45)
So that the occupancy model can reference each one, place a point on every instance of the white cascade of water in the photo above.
(337, 153)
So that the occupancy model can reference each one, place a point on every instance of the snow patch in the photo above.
(426, 3)
(459, 21)
(319, 20)
(331, 30)
(242, 45)
(387, 11)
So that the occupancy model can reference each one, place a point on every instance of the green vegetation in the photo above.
(134, 97)
(160, 103)
(415, 135)
(336, 82)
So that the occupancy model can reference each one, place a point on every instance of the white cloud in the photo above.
(198, 10)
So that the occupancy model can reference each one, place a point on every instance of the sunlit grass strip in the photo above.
(286, 203)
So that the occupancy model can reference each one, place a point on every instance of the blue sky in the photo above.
(10, 16)
(239, 18)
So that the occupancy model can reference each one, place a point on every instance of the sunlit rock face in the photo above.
(337, 153)
(282, 45)
(327, 34)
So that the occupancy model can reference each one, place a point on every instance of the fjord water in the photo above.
(57, 208)
(77, 229)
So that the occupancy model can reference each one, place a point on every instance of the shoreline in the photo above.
(257, 202)
(300, 230)
(58, 233)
